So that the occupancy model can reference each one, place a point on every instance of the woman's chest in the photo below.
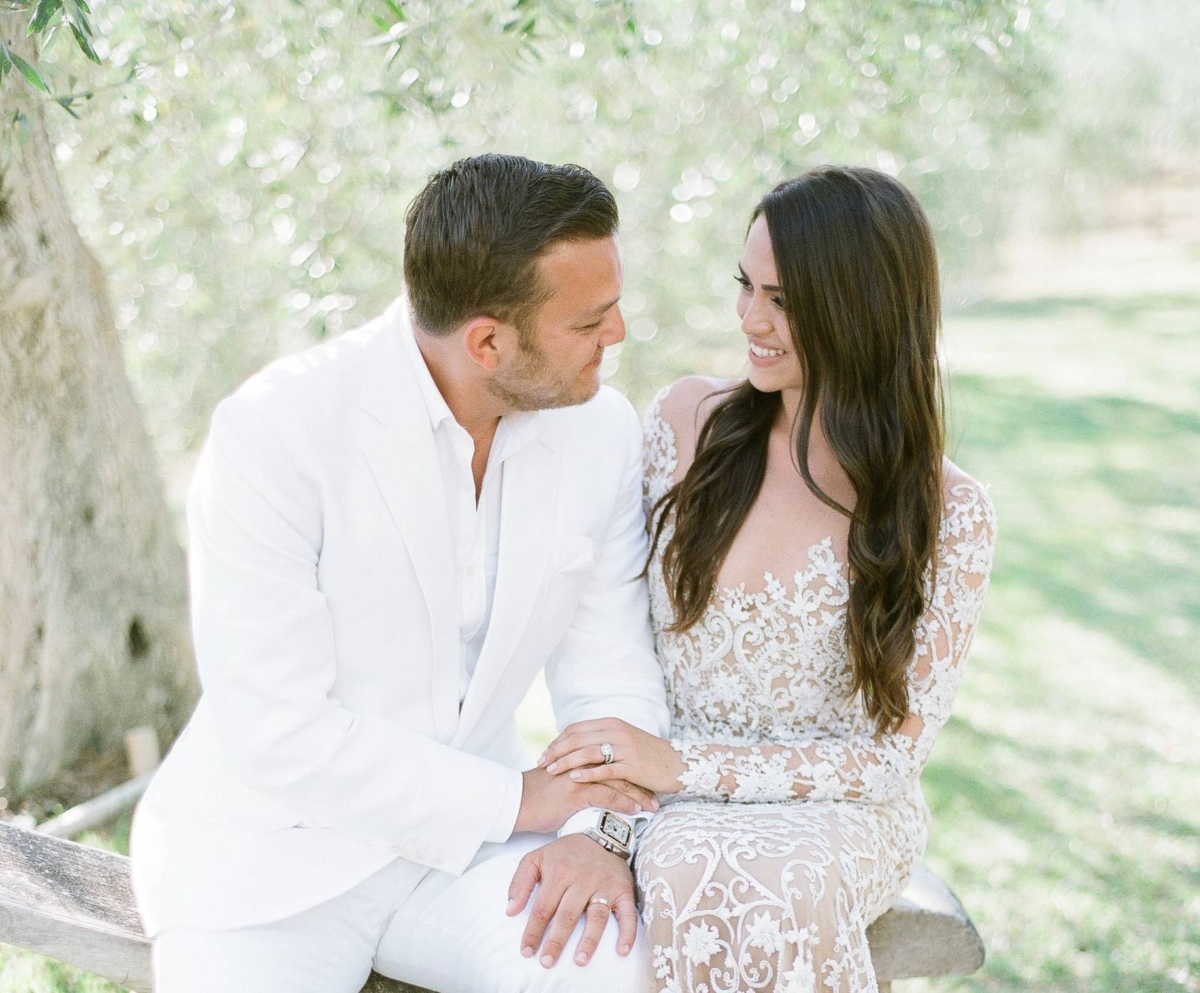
(762, 662)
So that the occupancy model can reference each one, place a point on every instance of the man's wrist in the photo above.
(612, 831)
(510, 808)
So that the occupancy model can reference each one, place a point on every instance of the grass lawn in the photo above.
(1065, 789)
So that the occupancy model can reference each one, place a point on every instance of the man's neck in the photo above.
(467, 396)
(471, 404)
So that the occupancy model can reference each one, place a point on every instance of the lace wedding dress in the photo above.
(797, 825)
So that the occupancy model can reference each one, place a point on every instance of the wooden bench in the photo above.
(75, 904)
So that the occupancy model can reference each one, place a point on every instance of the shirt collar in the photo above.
(435, 404)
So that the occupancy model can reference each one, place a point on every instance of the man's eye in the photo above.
(743, 282)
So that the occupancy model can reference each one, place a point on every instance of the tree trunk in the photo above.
(93, 613)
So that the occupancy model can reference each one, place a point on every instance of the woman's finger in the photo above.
(595, 725)
(586, 755)
(586, 732)
(601, 773)
(564, 746)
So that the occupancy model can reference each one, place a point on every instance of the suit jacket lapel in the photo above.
(527, 513)
(396, 438)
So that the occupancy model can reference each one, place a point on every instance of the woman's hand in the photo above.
(637, 756)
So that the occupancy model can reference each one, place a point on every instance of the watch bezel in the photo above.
(609, 822)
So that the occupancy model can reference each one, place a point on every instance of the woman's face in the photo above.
(774, 364)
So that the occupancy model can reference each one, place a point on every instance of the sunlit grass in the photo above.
(1065, 791)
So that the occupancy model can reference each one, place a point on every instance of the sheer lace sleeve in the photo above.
(659, 455)
(873, 768)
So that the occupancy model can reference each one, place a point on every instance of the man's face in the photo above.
(558, 363)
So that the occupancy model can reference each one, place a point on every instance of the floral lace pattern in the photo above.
(798, 823)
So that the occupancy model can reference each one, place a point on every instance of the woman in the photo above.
(817, 570)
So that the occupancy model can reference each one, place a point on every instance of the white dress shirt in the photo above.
(474, 527)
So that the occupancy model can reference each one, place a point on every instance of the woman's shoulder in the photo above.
(968, 506)
(684, 406)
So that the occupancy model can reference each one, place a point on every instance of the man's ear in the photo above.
(482, 338)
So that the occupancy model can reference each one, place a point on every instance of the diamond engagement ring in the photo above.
(607, 752)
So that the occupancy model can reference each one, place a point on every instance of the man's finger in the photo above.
(628, 794)
(607, 795)
(570, 909)
(625, 911)
(540, 916)
(524, 880)
(596, 919)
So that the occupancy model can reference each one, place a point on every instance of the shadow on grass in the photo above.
(1076, 521)
(1118, 310)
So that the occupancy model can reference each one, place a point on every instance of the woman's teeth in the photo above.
(765, 353)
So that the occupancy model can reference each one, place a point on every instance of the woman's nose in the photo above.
(754, 318)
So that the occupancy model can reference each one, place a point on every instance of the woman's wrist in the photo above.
(673, 767)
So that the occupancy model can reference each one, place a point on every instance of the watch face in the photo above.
(614, 827)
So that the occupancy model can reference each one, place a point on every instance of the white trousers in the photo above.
(451, 935)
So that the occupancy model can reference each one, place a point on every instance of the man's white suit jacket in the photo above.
(329, 738)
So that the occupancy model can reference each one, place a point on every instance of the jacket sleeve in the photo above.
(872, 768)
(267, 659)
(606, 666)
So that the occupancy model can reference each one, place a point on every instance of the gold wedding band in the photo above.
(600, 899)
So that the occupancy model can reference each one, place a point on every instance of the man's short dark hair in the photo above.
(475, 233)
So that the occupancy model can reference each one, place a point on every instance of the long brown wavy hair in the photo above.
(858, 270)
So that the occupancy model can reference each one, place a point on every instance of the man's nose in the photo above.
(615, 332)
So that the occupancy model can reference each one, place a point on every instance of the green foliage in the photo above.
(48, 17)
(244, 172)
(10, 60)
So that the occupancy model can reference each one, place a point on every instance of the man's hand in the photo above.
(573, 875)
(547, 801)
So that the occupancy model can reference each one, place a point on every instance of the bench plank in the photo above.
(75, 904)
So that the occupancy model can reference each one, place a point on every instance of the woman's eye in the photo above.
(778, 301)
(743, 282)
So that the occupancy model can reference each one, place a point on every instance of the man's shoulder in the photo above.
(311, 387)
(326, 366)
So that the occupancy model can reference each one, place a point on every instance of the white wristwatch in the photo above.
(611, 831)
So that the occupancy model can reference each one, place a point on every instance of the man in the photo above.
(390, 535)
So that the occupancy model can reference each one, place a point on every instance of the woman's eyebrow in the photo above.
(768, 289)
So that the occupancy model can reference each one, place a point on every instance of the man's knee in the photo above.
(609, 973)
